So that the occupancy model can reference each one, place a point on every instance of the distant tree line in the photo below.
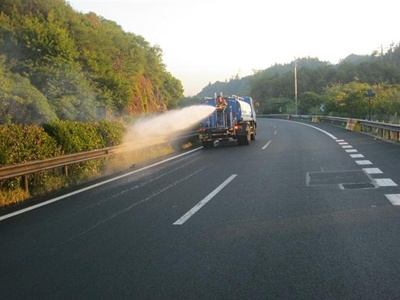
(324, 88)
(58, 64)
(333, 89)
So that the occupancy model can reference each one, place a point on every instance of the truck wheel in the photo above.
(207, 144)
(253, 135)
(246, 139)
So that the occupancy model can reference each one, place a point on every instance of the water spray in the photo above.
(167, 125)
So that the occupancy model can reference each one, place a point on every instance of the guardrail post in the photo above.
(25, 182)
(66, 170)
(393, 135)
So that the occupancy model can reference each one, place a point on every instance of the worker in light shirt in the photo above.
(220, 105)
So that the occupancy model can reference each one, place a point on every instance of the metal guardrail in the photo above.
(24, 169)
(54, 162)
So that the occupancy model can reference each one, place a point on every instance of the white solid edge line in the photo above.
(326, 132)
(203, 202)
(13, 214)
(266, 145)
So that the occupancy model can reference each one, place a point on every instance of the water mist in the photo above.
(142, 136)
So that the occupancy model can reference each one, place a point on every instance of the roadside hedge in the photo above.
(19, 144)
(111, 133)
(74, 137)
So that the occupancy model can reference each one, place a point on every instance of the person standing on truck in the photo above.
(220, 105)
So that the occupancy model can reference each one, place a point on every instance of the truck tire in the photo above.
(207, 144)
(245, 139)
(254, 131)
(253, 135)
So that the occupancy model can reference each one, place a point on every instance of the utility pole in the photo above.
(295, 83)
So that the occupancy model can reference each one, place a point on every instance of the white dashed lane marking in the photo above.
(372, 171)
(203, 202)
(266, 145)
(379, 182)
(351, 151)
(356, 156)
(393, 198)
(363, 162)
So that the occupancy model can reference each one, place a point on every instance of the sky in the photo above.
(204, 41)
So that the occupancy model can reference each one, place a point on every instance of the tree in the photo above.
(386, 104)
(348, 100)
(172, 90)
(310, 103)
(67, 91)
(20, 102)
(78, 61)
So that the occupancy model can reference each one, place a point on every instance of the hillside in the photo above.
(339, 89)
(232, 87)
(241, 86)
(56, 63)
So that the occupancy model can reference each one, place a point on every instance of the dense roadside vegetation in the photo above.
(60, 73)
(58, 64)
(22, 143)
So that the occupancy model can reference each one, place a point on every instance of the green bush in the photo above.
(110, 132)
(74, 137)
(20, 144)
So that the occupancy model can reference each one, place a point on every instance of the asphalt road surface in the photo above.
(300, 213)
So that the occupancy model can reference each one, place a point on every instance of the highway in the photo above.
(306, 211)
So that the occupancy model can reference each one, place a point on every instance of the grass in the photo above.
(8, 197)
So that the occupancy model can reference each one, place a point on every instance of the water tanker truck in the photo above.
(234, 118)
